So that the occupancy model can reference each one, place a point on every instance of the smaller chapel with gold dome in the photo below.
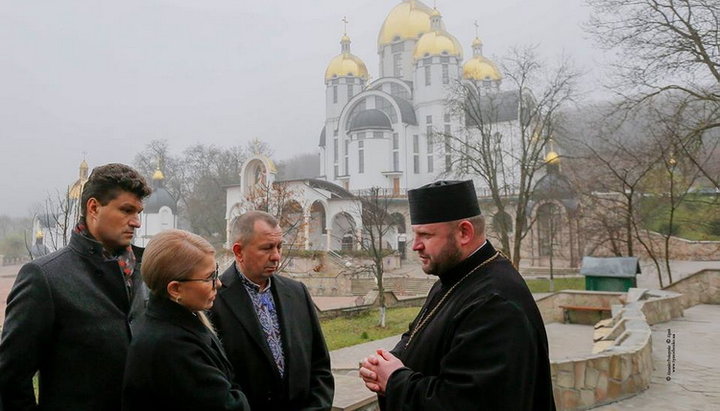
(388, 132)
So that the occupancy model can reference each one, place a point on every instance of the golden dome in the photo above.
(76, 190)
(552, 158)
(477, 42)
(158, 175)
(408, 20)
(346, 63)
(437, 43)
(39, 234)
(480, 68)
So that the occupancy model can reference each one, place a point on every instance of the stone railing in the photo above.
(702, 287)
(8, 260)
(621, 363)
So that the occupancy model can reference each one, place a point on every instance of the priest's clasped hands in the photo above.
(375, 370)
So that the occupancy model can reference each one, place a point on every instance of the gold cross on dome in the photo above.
(345, 20)
(477, 26)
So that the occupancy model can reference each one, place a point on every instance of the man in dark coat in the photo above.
(68, 314)
(268, 324)
(479, 341)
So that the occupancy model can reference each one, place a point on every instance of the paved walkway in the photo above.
(694, 385)
(7, 279)
(695, 382)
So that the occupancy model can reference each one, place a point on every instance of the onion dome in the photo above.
(160, 196)
(158, 175)
(408, 20)
(346, 64)
(75, 190)
(437, 42)
(479, 67)
(39, 234)
(552, 158)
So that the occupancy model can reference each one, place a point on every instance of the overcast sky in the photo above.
(104, 77)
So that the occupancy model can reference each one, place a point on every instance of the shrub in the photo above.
(713, 227)
(666, 229)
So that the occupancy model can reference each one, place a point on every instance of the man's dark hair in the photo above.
(107, 182)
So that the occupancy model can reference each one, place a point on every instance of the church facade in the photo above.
(396, 132)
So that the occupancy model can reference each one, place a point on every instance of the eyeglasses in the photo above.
(212, 279)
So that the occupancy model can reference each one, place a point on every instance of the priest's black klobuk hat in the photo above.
(443, 201)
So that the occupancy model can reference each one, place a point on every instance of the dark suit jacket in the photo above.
(176, 363)
(68, 316)
(308, 382)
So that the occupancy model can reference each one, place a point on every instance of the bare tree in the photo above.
(377, 226)
(281, 202)
(197, 179)
(505, 151)
(58, 213)
(665, 47)
(637, 168)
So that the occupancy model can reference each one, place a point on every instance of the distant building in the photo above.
(58, 215)
(159, 213)
(38, 249)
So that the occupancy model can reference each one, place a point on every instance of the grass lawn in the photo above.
(696, 218)
(561, 283)
(344, 332)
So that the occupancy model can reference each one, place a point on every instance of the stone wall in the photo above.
(680, 248)
(621, 363)
(550, 305)
(325, 286)
(371, 302)
(7, 260)
(400, 285)
(702, 287)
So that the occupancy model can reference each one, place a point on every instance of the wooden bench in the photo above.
(601, 311)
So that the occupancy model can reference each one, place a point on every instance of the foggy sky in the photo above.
(99, 79)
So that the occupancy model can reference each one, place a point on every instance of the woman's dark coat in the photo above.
(176, 363)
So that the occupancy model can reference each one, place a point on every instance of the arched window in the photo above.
(399, 222)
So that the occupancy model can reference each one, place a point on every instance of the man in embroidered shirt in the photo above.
(479, 341)
(69, 313)
(268, 324)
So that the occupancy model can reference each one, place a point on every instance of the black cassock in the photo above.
(484, 348)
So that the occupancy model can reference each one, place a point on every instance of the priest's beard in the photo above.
(448, 257)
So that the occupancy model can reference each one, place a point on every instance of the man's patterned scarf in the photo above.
(125, 258)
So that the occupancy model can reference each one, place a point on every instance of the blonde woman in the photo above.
(175, 360)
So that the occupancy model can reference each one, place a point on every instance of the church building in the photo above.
(396, 132)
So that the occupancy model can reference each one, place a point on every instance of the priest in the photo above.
(479, 342)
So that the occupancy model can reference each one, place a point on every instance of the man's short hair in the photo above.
(107, 182)
(243, 226)
(478, 223)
